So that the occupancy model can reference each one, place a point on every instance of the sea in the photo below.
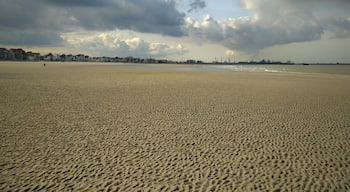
(343, 69)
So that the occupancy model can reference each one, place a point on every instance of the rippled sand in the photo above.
(67, 128)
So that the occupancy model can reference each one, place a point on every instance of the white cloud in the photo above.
(231, 53)
(114, 44)
(162, 50)
(274, 22)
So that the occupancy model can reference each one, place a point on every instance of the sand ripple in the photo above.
(93, 129)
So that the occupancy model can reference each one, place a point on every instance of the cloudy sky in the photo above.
(208, 30)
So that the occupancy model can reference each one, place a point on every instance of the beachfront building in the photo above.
(68, 57)
(130, 59)
(162, 61)
(191, 61)
(18, 54)
(48, 57)
(30, 56)
(80, 57)
(150, 60)
(4, 54)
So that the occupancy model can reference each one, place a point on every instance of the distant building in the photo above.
(62, 57)
(150, 60)
(32, 56)
(162, 61)
(48, 57)
(190, 61)
(4, 53)
(18, 54)
(69, 57)
(80, 57)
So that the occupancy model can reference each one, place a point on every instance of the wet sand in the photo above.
(66, 128)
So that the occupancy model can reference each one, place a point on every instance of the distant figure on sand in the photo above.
(44, 64)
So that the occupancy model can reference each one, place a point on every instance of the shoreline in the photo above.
(331, 69)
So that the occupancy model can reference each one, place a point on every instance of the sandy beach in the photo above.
(71, 127)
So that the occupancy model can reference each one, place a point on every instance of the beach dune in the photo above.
(76, 127)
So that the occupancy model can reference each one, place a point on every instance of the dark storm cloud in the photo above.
(30, 38)
(197, 4)
(57, 16)
(152, 16)
(252, 38)
(79, 3)
(29, 23)
(14, 15)
(339, 27)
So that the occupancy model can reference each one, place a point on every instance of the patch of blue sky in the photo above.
(219, 10)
